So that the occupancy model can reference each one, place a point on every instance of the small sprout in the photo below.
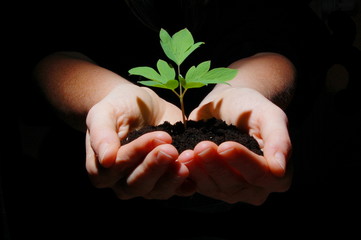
(177, 48)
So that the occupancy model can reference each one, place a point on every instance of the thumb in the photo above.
(204, 111)
(104, 139)
(277, 146)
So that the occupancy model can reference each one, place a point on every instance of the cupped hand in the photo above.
(230, 171)
(145, 167)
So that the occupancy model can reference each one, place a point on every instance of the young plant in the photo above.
(177, 48)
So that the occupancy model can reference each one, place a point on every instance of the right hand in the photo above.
(145, 167)
(231, 172)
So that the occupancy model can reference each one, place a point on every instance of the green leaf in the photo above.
(182, 81)
(190, 50)
(146, 72)
(171, 84)
(194, 73)
(166, 74)
(179, 46)
(199, 76)
(152, 84)
(219, 75)
(166, 44)
(183, 40)
(166, 71)
(194, 85)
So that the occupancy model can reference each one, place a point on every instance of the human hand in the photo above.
(230, 172)
(145, 167)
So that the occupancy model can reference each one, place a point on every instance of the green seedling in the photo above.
(177, 48)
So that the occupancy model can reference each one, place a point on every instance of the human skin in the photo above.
(150, 166)
(230, 171)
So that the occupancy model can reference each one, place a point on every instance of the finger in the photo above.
(170, 182)
(202, 112)
(133, 153)
(144, 177)
(198, 174)
(232, 187)
(227, 180)
(188, 187)
(99, 176)
(215, 184)
(252, 167)
(104, 138)
(277, 143)
(91, 161)
(128, 158)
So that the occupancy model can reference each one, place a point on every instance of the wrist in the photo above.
(270, 74)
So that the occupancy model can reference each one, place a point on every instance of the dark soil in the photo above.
(213, 130)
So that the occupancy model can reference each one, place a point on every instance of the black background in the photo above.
(45, 190)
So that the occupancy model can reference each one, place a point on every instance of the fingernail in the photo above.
(163, 155)
(158, 141)
(205, 156)
(103, 149)
(281, 160)
(226, 151)
(204, 152)
(186, 157)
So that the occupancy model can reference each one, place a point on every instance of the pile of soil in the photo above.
(214, 130)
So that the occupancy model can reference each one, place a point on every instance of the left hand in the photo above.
(145, 167)
(231, 172)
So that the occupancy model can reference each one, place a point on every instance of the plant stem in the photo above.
(180, 96)
(182, 108)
